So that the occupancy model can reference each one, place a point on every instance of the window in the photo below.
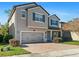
(54, 22)
(38, 17)
(23, 13)
(55, 34)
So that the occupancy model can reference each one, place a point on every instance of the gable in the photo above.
(21, 6)
(38, 9)
(44, 9)
(54, 17)
(25, 6)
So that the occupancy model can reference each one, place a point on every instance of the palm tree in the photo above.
(8, 12)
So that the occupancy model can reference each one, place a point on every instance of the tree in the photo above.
(5, 34)
(8, 12)
(4, 30)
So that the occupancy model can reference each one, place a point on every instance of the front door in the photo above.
(55, 34)
(48, 36)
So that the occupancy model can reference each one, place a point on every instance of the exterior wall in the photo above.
(12, 26)
(70, 35)
(75, 36)
(34, 24)
(22, 24)
(66, 35)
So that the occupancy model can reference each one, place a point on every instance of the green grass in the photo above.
(13, 51)
(72, 42)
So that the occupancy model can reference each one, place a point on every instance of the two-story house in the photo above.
(30, 23)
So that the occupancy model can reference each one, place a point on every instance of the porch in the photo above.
(53, 34)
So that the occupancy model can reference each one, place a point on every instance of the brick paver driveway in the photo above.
(48, 47)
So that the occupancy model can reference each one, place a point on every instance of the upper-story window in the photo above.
(23, 13)
(54, 23)
(38, 17)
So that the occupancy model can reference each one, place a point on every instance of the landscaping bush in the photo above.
(1, 49)
(7, 38)
(6, 48)
(14, 42)
(57, 40)
(1, 38)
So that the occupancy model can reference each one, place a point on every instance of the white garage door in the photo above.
(30, 37)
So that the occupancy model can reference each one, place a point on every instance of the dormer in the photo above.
(53, 21)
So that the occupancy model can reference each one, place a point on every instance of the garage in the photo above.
(31, 37)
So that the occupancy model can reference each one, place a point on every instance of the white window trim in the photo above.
(39, 21)
(37, 27)
(25, 14)
(39, 14)
(53, 25)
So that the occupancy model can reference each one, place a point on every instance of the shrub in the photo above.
(1, 38)
(6, 48)
(1, 49)
(57, 40)
(14, 42)
(7, 38)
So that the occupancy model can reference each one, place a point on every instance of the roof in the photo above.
(14, 8)
(55, 15)
(25, 4)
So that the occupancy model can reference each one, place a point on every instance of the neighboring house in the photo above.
(65, 27)
(70, 30)
(30, 23)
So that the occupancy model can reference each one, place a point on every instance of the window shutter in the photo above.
(51, 21)
(33, 16)
(43, 18)
(57, 23)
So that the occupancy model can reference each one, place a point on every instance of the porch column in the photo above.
(51, 34)
(61, 33)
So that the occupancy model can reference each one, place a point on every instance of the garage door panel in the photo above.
(30, 37)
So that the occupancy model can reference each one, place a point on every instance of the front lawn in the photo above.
(13, 51)
(72, 42)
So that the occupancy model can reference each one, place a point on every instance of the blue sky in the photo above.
(66, 11)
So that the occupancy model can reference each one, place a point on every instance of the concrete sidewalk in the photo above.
(62, 53)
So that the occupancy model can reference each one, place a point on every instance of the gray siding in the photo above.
(32, 23)
(22, 24)
(12, 26)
